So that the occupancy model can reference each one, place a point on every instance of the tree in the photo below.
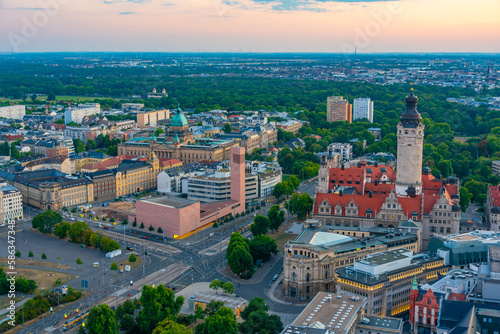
(227, 128)
(45, 221)
(90, 145)
(141, 226)
(159, 131)
(14, 152)
(228, 288)
(79, 146)
(77, 230)
(44, 257)
(301, 205)
(216, 285)
(236, 239)
(160, 230)
(102, 320)
(30, 254)
(281, 189)
(294, 181)
(18, 253)
(81, 330)
(112, 150)
(51, 96)
(114, 266)
(223, 321)
(79, 261)
(240, 260)
(261, 322)
(168, 326)
(132, 258)
(276, 217)
(127, 323)
(157, 304)
(62, 229)
(465, 197)
(255, 304)
(151, 228)
(260, 225)
(262, 247)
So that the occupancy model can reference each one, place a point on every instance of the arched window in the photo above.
(308, 278)
(294, 277)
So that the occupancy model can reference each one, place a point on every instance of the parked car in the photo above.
(130, 248)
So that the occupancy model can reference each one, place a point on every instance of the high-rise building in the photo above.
(410, 147)
(363, 109)
(13, 112)
(338, 109)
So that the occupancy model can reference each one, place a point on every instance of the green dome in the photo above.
(179, 119)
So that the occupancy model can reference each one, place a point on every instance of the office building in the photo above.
(77, 114)
(386, 278)
(344, 150)
(178, 216)
(151, 118)
(331, 313)
(338, 110)
(11, 204)
(13, 112)
(363, 109)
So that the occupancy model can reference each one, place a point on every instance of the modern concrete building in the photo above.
(338, 109)
(331, 313)
(495, 167)
(13, 112)
(363, 109)
(386, 278)
(152, 118)
(178, 216)
(132, 106)
(77, 114)
(11, 204)
(290, 125)
(343, 149)
(202, 299)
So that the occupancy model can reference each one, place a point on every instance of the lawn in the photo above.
(285, 177)
(35, 263)
(44, 279)
(282, 238)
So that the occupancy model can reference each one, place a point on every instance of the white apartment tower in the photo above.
(363, 108)
(410, 147)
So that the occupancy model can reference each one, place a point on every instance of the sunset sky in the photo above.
(250, 25)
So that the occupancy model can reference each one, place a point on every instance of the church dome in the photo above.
(179, 119)
(455, 207)
(495, 209)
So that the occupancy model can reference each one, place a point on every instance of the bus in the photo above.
(75, 321)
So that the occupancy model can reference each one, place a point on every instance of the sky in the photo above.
(331, 26)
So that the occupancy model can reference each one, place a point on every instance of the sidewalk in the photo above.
(275, 293)
(256, 278)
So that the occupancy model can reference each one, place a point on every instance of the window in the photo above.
(308, 278)
(307, 289)
(429, 301)
(294, 277)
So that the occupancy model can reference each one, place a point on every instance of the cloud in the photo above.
(121, 1)
(126, 13)
(307, 5)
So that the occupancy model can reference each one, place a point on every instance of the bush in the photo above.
(141, 226)
(111, 220)
(30, 254)
(132, 258)
(215, 225)
(160, 230)
(79, 261)
(18, 253)
(151, 228)
(114, 266)
(44, 257)
(237, 215)
(134, 224)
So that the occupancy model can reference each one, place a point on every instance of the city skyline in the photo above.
(249, 26)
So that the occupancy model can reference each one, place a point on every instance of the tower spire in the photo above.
(415, 284)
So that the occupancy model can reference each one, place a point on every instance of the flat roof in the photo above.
(386, 257)
(231, 302)
(382, 322)
(170, 201)
(333, 311)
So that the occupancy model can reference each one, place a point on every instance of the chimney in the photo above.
(370, 194)
(342, 167)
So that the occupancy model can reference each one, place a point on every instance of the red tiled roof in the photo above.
(495, 195)
(103, 165)
(457, 296)
(363, 202)
(233, 116)
(165, 162)
(354, 175)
